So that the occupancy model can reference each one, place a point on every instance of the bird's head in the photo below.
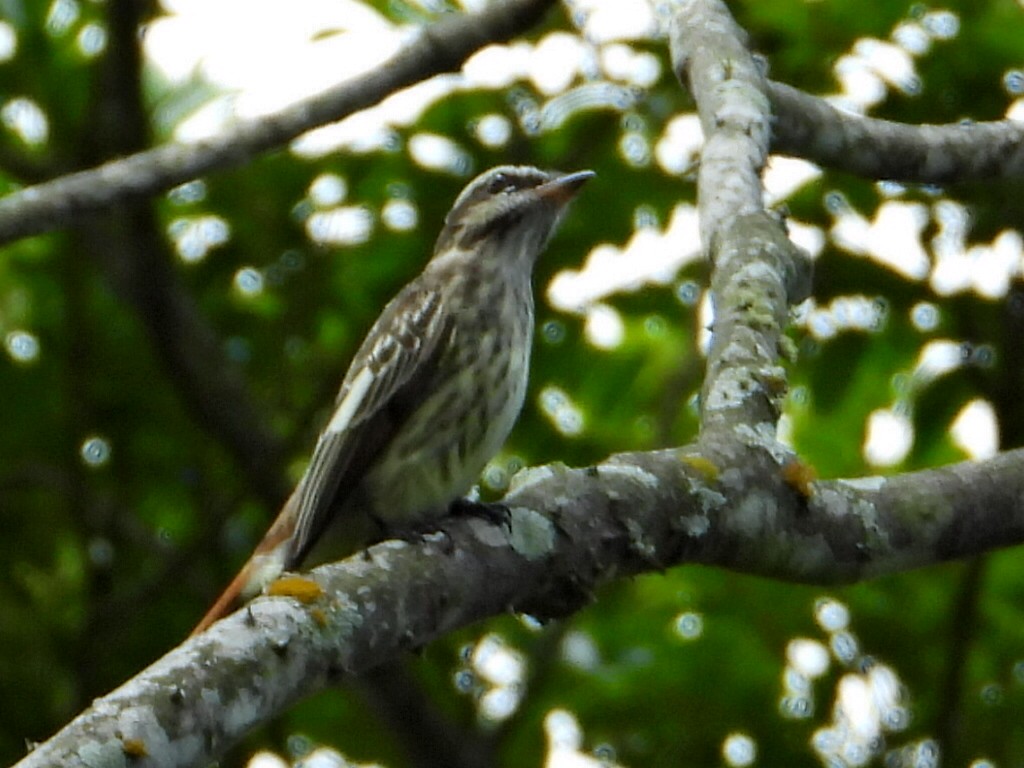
(509, 210)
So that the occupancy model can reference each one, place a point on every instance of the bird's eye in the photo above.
(500, 183)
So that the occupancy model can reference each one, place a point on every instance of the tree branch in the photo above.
(805, 126)
(442, 47)
(569, 532)
(710, 60)
(757, 271)
(811, 128)
(727, 501)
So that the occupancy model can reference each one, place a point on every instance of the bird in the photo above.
(436, 385)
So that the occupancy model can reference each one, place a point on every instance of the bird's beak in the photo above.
(563, 189)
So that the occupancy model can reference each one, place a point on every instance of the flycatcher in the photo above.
(436, 386)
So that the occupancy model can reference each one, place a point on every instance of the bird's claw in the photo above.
(496, 514)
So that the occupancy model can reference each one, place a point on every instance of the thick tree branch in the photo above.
(811, 128)
(711, 61)
(569, 532)
(757, 271)
(442, 47)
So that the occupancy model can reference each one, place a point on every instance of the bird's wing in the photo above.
(382, 386)
(379, 390)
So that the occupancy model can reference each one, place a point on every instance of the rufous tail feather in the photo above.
(265, 565)
(227, 601)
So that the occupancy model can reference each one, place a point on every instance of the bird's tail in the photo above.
(267, 562)
(227, 600)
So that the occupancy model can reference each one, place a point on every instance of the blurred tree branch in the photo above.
(441, 47)
(133, 255)
(963, 632)
(804, 126)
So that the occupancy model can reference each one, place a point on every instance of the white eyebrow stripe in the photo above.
(347, 407)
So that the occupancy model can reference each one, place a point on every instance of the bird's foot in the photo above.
(496, 514)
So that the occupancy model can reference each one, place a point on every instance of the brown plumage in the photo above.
(437, 384)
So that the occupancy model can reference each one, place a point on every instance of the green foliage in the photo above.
(105, 566)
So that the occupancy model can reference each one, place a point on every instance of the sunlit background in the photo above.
(290, 49)
(296, 48)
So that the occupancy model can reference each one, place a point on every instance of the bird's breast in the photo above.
(467, 410)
